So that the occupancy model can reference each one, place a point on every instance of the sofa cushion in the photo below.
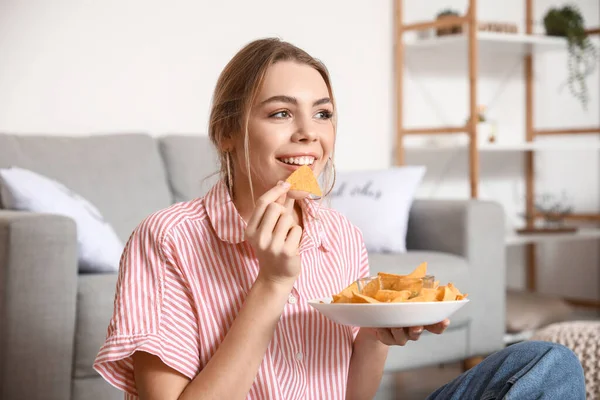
(378, 202)
(446, 268)
(191, 165)
(95, 301)
(121, 174)
(99, 248)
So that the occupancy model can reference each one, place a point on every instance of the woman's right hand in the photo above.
(275, 236)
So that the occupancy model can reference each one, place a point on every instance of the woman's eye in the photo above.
(324, 114)
(280, 114)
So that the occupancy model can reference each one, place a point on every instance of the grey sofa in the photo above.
(53, 320)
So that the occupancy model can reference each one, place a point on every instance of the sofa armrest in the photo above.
(475, 230)
(38, 290)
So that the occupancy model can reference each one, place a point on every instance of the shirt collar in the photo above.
(230, 226)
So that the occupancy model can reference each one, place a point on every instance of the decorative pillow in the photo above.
(99, 246)
(378, 203)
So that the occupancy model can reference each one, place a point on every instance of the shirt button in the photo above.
(299, 356)
(292, 299)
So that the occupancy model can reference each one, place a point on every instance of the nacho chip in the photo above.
(392, 296)
(444, 293)
(339, 298)
(359, 298)
(400, 283)
(304, 179)
(394, 288)
(426, 294)
(353, 288)
(371, 288)
(419, 272)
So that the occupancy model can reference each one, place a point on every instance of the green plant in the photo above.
(568, 22)
(448, 12)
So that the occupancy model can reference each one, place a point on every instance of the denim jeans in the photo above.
(523, 371)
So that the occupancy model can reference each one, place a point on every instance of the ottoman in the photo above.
(583, 338)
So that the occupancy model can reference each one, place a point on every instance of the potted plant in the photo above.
(451, 29)
(569, 23)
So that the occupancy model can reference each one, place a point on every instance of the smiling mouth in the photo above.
(304, 160)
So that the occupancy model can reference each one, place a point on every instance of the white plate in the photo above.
(387, 315)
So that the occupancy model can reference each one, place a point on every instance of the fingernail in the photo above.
(418, 330)
(446, 323)
(284, 184)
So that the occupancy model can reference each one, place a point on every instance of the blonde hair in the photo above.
(236, 91)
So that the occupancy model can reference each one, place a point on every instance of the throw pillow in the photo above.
(378, 203)
(99, 246)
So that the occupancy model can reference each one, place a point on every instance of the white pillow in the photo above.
(378, 203)
(99, 246)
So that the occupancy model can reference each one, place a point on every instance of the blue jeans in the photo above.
(523, 371)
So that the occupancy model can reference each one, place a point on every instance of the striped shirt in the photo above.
(183, 277)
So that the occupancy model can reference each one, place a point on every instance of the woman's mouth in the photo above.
(298, 161)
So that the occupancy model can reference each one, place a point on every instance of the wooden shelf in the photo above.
(490, 41)
(546, 145)
(509, 147)
(513, 239)
(536, 146)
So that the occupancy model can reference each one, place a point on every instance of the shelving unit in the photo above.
(490, 41)
(474, 42)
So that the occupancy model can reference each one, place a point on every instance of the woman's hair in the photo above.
(237, 88)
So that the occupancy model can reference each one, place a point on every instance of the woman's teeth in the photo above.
(307, 160)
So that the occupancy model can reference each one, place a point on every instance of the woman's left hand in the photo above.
(400, 336)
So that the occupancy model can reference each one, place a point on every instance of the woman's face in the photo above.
(290, 125)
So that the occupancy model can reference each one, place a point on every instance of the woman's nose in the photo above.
(305, 132)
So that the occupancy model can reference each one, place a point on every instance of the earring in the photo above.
(228, 169)
(332, 166)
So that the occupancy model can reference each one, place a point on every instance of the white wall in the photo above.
(84, 66)
(78, 67)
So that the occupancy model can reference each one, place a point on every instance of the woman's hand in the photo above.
(275, 236)
(401, 336)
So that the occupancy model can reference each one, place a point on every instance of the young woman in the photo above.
(211, 300)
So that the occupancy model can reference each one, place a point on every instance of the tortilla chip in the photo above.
(400, 283)
(304, 179)
(425, 295)
(339, 298)
(359, 298)
(444, 293)
(392, 296)
(419, 272)
(371, 288)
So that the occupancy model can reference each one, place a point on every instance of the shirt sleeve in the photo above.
(153, 310)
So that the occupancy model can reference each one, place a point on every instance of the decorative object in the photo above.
(482, 26)
(498, 27)
(568, 22)
(553, 210)
(378, 203)
(99, 247)
(582, 337)
(451, 29)
(486, 129)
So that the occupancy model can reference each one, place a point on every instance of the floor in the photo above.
(410, 385)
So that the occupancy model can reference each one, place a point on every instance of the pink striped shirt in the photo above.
(184, 275)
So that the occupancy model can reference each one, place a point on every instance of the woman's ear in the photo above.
(226, 145)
